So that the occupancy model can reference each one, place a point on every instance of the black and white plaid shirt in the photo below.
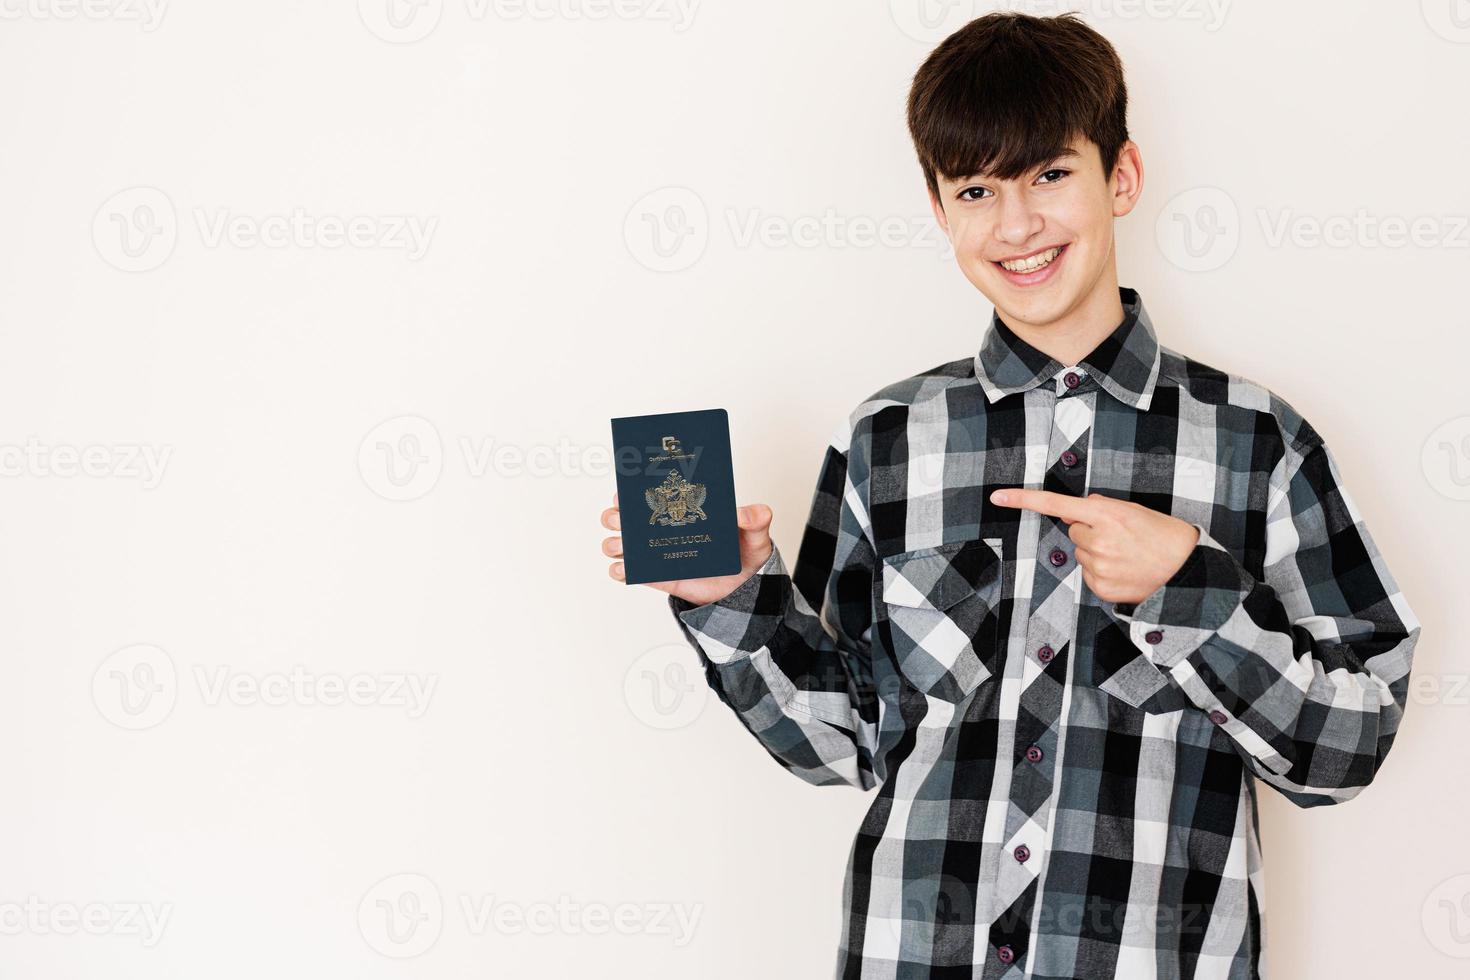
(1067, 786)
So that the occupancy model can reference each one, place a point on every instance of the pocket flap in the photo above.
(939, 577)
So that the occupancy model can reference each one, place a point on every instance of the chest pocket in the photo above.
(939, 610)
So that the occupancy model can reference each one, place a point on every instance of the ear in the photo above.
(939, 215)
(1127, 179)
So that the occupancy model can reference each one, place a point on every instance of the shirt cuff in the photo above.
(1181, 615)
(745, 619)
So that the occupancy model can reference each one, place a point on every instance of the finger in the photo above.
(612, 520)
(1061, 505)
(1084, 557)
(754, 517)
(1084, 535)
(615, 498)
(616, 570)
(613, 547)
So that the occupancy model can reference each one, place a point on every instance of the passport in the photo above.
(676, 496)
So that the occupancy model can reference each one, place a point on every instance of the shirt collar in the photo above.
(1125, 363)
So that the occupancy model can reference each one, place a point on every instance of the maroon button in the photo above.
(1069, 458)
(1154, 636)
(1033, 754)
(1045, 654)
(1219, 717)
(1072, 379)
(1058, 557)
(1005, 954)
(1022, 852)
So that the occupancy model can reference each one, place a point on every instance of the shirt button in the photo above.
(1058, 557)
(1022, 852)
(1154, 636)
(1219, 717)
(1005, 954)
(1072, 379)
(1045, 654)
(1069, 458)
(1033, 754)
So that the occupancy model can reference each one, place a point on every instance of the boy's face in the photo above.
(1052, 227)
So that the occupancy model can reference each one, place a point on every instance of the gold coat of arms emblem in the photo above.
(675, 501)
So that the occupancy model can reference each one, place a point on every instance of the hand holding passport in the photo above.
(682, 532)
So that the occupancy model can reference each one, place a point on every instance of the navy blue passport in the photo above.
(676, 496)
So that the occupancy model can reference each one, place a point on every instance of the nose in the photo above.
(1016, 221)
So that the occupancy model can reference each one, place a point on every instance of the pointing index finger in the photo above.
(1062, 505)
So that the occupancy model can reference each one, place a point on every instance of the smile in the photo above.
(1032, 269)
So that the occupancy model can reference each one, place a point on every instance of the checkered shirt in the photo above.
(1066, 787)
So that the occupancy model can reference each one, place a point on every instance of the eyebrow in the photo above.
(1065, 154)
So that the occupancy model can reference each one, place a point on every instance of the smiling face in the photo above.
(1040, 247)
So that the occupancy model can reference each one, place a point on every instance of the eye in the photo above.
(1060, 174)
(965, 195)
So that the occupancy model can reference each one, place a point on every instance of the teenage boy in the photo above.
(1064, 601)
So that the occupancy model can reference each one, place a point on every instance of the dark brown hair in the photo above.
(1007, 92)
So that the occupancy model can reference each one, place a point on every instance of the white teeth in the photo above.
(1034, 262)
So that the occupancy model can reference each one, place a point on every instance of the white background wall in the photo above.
(171, 630)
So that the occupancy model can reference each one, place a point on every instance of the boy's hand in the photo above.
(1125, 549)
(754, 522)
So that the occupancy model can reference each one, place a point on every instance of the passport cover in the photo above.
(676, 496)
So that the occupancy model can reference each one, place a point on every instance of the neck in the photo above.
(1072, 336)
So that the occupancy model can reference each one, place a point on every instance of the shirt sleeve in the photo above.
(1307, 668)
(790, 654)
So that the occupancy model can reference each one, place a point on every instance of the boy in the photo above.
(1064, 601)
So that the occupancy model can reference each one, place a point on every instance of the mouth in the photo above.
(1030, 270)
